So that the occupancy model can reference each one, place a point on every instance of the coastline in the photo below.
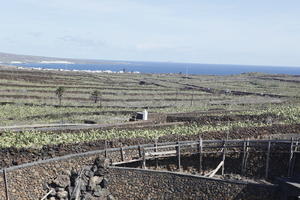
(158, 68)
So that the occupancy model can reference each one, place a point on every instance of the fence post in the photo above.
(247, 153)
(268, 158)
(294, 157)
(122, 154)
(291, 157)
(144, 159)
(178, 156)
(105, 147)
(140, 152)
(155, 150)
(5, 177)
(244, 156)
(223, 157)
(200, 154)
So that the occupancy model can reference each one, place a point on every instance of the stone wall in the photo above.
(29, 181)
(2, 187)
(131, 183)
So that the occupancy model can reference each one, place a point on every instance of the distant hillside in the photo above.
(8, 58)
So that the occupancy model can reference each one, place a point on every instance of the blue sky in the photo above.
(255, 32)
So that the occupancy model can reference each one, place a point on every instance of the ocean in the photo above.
(169, 67)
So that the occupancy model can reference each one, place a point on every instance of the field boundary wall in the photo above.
(29, 181)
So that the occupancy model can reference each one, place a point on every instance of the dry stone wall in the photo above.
(131, 183)
(2, 187)
(90, 183)
(30, 181)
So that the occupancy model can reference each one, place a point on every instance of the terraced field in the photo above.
(180, 106)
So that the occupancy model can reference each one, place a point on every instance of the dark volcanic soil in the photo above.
(222, 119)
(14, 156)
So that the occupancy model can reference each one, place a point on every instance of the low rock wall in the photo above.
(131, 183)
(2, 187)
(29, 181)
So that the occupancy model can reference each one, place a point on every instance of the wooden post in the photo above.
(105, 147)
(268, 159)
(178, 156)
(244, 156)
(122, 154)
(140, 152)
(247, 154)
(223, 158)
(155, 150)
(140, 155)
(294, 157)
(200, 154)
(5, 184)
(291, 157)
(144, 159)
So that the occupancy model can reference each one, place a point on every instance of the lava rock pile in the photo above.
(88, 184)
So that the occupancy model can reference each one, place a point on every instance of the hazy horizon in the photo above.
(140, 61)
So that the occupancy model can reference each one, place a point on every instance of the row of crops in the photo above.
(134, 92)
(37, 139)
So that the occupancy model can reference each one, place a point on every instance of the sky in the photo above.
(253, 32)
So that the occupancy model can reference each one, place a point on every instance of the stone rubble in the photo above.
(89, 184)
